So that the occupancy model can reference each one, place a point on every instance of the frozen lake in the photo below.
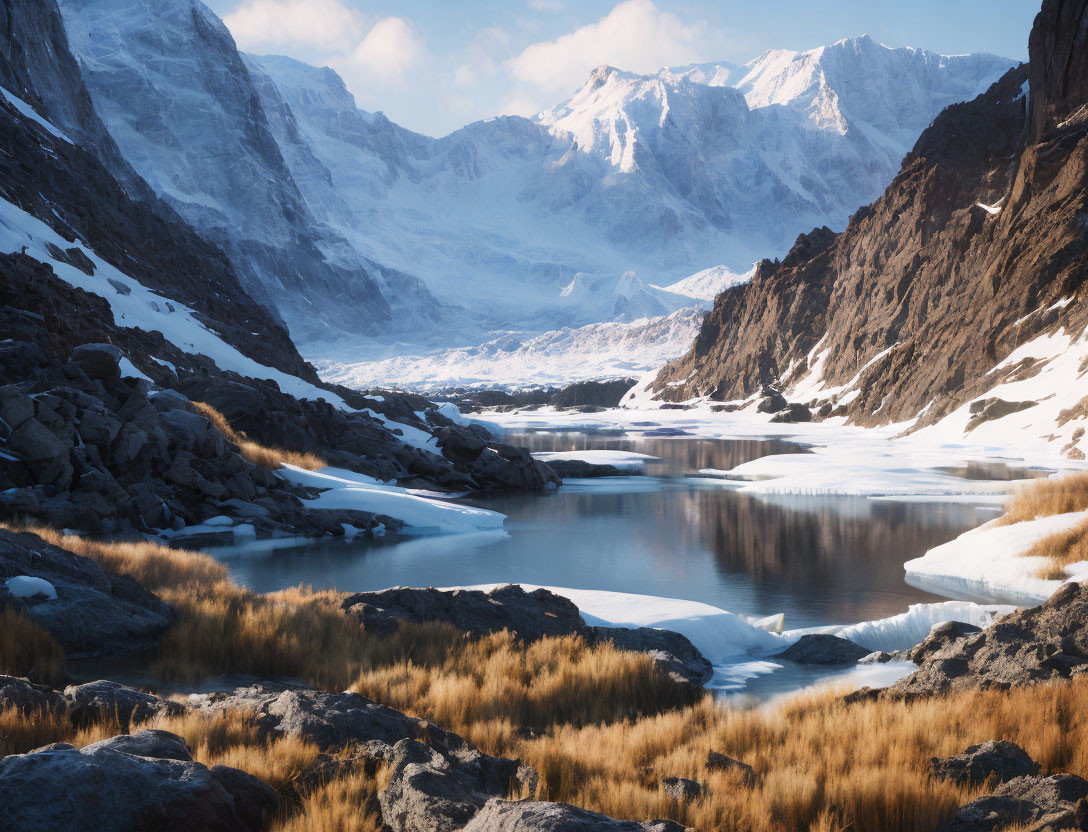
(820, 560)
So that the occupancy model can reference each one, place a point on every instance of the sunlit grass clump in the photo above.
(255, 452)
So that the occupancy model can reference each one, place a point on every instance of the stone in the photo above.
(682, 789)
(101, 361)
(1038, 644)
(128, 783)
(940, 636)
(46, 455)
(823, 648)
(1000, 760)
(254, 800)
(27, 697)
(528, 615)
(499, 815)
(90, 702)
(673, 654)
(792, 414)
(15, 406)
(94, 612)
(1042, 803)
(716, 761)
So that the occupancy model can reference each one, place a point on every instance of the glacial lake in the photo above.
(819, 560)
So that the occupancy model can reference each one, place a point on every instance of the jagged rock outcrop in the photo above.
(1039, 644)
(128, 783)
(959, 262)
(172, 63)
(93, 611)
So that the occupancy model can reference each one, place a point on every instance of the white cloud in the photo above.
(545, 5)
(267, 25)
(388, 51)
(635, 35)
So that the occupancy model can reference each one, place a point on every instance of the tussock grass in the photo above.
(1060, 550)
(26, 649)
(1044, 498)
(255, 452)
(154, 566)
(597, 724)
(821, 765)
(490, 689)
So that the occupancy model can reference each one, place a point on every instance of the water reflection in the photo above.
(819, 559)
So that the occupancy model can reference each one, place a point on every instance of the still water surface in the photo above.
(821, 560)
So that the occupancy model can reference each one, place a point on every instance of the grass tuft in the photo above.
(26, 649)
(1045, 498)
(255, 452)
(1060, 550)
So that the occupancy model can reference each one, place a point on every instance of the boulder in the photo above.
(94, 612)
(720, 762)
(536, 816)
(432, 791)
(682, 789)
(673, 654)
(823, 648)
(528, 615)
(99, 361)
(92, 701)
(27, 697)
(792, 414)
(44, 453)
(1051, 803)
(1000, 760)
(129, 783)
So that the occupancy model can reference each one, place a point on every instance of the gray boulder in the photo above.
(1000, 760)
(93, 701)
(433, 791)
(537, 816)
(673, 654)
(98, 361)
(27, 697)
(528, 615)
(44, 453)
(720, 762)
(823, 648)
(682, 789)
(124, 784)
(94, 612)
(1055, 802)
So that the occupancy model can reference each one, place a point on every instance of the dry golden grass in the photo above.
(1043, 498)
(26, 649)
(255, 452)
(491, 688)
(822, 766)
(1060, 550)
(154, 566)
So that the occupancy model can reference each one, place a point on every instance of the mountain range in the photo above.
(367, 238)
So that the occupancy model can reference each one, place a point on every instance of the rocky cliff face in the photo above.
(170, 85)
(56, 174)
(976, 249)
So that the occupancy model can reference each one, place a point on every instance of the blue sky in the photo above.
(435, 65)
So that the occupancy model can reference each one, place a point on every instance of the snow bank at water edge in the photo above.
(726, 638)
(422, 514)
(986, 562)
(621, 460)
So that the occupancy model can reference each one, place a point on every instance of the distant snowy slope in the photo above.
(658, 175)
(599, 351)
